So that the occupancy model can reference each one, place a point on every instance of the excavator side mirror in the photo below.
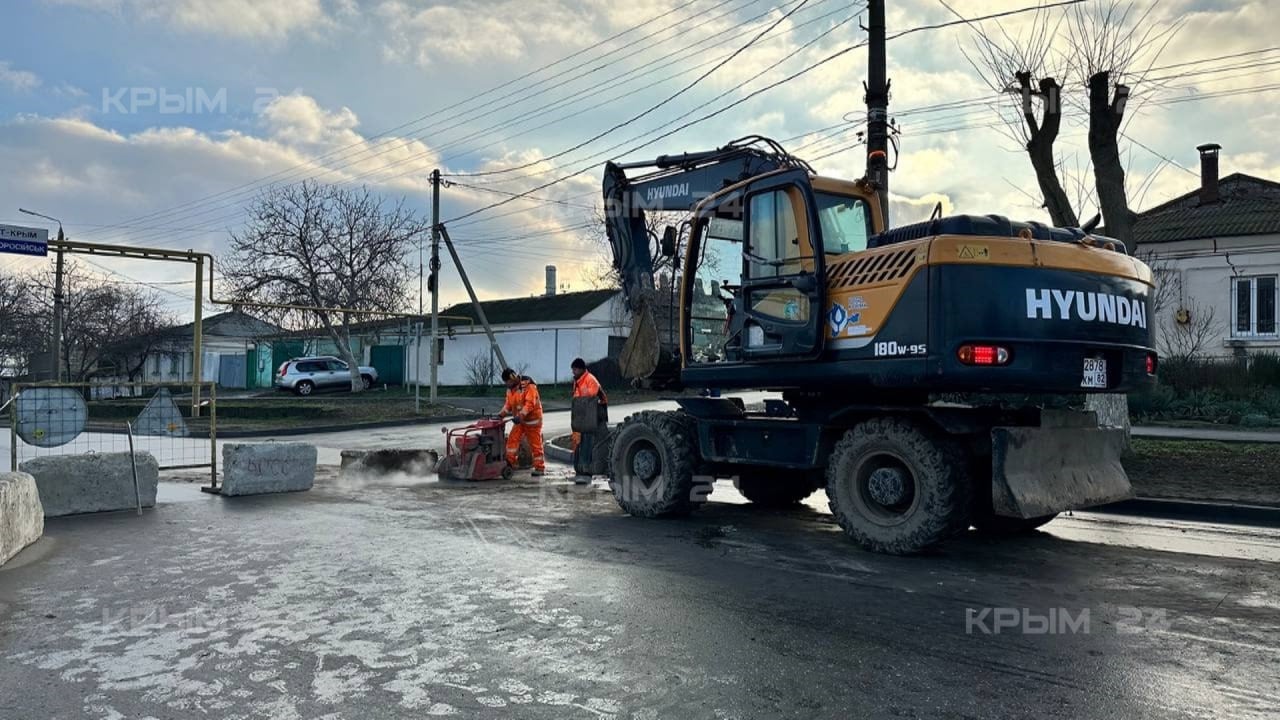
(669, 241)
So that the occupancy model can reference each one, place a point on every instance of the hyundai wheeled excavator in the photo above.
(788, 281)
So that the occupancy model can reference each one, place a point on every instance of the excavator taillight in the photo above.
(983, 355)
(1151, 363)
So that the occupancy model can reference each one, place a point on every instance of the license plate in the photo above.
(1095, 373)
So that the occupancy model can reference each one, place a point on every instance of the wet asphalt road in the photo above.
(407, 599)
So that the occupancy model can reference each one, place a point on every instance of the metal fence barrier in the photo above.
(55, 419)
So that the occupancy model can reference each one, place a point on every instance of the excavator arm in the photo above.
(672, 183)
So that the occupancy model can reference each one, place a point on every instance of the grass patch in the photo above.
(1200, 470)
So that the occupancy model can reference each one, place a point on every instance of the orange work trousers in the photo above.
(520, 431)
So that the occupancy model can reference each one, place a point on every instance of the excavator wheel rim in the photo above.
(875, 508)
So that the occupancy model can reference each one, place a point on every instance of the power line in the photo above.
(380, 169)
(653, 108)
(505, 101)
(784, 80)
(607, 151)
(455, 105)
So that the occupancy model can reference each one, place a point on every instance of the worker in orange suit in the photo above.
(524, 405)
(585, 385)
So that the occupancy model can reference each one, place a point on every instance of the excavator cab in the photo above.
(755, 267)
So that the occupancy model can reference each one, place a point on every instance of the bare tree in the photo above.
(329, 247)
(1025, 66)
(19, 338)
(97, 315)
(1192, 333)
(1112, 46)
(140, 343)
(607, 276)
(1168, 282)
(482, 370)
(1111, 42)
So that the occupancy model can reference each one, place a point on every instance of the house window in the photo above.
(1253, 300)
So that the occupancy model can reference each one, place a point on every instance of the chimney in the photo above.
(551, 280)
(1209, 173)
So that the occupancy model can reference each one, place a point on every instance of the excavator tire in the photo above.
(653, 465)
(773, 489)
(897, 487)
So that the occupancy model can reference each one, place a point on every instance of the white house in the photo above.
(230, 353)
(1216, 252)
(539, 336)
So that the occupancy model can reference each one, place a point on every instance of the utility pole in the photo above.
(475, 301)
(434, 285)
(877, 95)
(58, 309)
(197, 337)
(56, 342)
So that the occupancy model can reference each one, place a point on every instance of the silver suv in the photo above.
(308, 374)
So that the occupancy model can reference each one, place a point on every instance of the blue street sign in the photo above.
(20, 240)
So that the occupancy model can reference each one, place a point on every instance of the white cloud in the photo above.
(476, 32)
(19, 80)
(94, 176)
(254, 19)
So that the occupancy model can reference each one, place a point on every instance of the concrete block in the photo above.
(100, 482)
(21, 515)
(412, 461)
(262, 468)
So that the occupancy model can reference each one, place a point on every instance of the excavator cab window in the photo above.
(775, 251)
(755, 258)
(716, 281)
(845, 222)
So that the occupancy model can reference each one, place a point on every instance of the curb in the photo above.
(1229, 513)
(557, 453)
(1230, 436)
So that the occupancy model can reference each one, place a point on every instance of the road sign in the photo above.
(24, 240)
(50, 416)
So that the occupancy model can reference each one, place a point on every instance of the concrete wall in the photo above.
(1201, 278)
(544, 354)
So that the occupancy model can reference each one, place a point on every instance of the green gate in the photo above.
(388, 360)
(282, 351)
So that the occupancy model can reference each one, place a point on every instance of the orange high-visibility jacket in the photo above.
(589, 386)
(524, 403)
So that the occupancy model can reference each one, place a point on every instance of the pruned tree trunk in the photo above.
(1106, 112)
(1042, 136)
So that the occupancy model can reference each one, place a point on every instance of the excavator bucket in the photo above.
(1038, 471)
(641, 351)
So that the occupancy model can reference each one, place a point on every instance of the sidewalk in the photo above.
(1211, 434)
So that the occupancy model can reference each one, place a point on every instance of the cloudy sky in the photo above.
(154, 122)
